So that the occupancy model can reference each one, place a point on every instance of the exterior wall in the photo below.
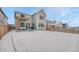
(3, 30)
(33, 20)
(17, 24)
(3, 19)
(38, 20)
(18, 19)
(3, 24)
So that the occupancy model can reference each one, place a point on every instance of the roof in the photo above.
(50, 21)
(29, 14)
(41, 10)
(22, 13)
(3, 13)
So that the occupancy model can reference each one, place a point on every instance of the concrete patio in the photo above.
(39, 41)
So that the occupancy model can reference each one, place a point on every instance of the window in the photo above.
(22, 19)
(33, 25)
(22, 15)
(64, 25)
(41, 25)
(22, 24)
(53, 26)
(27, 18)
(41, 17)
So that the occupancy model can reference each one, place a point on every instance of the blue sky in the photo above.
(69, 15)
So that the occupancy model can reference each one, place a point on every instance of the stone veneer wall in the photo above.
(3, 30)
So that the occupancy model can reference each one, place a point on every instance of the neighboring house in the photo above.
(11, 27)
(56, 26)
(3, 23)
(36, 21)
(51, 25)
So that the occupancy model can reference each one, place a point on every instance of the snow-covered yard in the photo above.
(40, 41)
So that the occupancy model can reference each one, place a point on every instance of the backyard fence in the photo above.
(61, 29)
(3, 30)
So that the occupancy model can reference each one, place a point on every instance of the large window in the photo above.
(22, 24)
(42, 17)
(27, 18)
(41, 25)
(22, 15)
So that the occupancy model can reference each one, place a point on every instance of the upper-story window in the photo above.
(41, 17)
(22, 15)
(27, 18)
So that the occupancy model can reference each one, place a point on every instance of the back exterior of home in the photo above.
(3, 23)
(37, 21)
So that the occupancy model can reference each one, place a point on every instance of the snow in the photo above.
(40, 41)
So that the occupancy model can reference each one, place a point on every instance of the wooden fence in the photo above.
(3, 30)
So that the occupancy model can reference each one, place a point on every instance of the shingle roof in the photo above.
(41, 10)
(29, 14)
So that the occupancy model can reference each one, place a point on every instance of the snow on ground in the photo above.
(40, 41)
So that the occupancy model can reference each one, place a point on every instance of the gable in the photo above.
(21, 15)
(40, 12)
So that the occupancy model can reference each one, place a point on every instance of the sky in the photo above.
(69, 15)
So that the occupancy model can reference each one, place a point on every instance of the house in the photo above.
(37, 21)
(11, 27)
(56, 26)
(51, 25)
(3, 23)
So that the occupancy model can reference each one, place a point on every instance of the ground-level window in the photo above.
(41, 25)
(53, 26)
(22, 24)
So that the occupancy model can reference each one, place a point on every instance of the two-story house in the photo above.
(37, 21)
(3, 23)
